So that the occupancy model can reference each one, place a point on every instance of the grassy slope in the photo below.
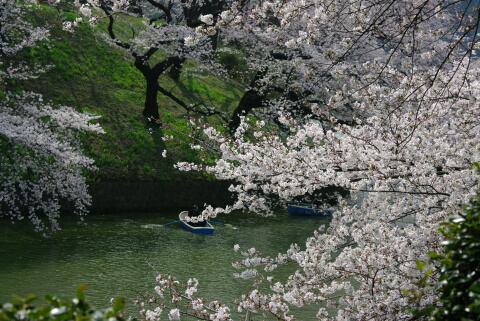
(90, 75)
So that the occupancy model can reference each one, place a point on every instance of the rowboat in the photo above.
(207, 229)
(296, 208)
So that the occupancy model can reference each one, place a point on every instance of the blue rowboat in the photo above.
(207, 229)
(296, 208)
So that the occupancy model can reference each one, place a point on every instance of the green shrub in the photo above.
(57, 309)
(460, 277)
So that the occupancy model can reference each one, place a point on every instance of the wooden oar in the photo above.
(227, 225)
(173, 222)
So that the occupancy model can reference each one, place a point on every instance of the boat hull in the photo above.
(307, 209)
(208, 229)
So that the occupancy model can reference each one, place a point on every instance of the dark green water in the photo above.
(122, 244)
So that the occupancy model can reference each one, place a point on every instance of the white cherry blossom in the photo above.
(42, 158)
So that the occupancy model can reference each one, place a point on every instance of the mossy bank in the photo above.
(90, 75)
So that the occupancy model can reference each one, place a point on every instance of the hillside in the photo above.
(90, 75)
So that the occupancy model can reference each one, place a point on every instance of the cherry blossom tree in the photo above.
(299, 55)
(161, 45)
(174, 31)
(41, 157)
(308, 52)
(408, 71)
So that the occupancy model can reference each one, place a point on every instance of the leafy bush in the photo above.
(57, 309)
(460, 266)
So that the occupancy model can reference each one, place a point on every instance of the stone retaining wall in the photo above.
(153, 196)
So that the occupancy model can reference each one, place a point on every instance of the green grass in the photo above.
(90, 75)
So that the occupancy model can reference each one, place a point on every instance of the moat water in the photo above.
(132, 247)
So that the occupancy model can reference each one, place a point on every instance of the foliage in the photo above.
(460, 280)
(58, 309)
(93, 77)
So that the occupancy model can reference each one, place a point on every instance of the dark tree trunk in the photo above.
(191, 14)
(252, 98)
(176, 69)
(151, 76)
(214, 40)
(151, 104)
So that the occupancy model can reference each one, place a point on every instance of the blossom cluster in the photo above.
(179, 300)
(405, 152)
(41, 157)
(411, 166)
